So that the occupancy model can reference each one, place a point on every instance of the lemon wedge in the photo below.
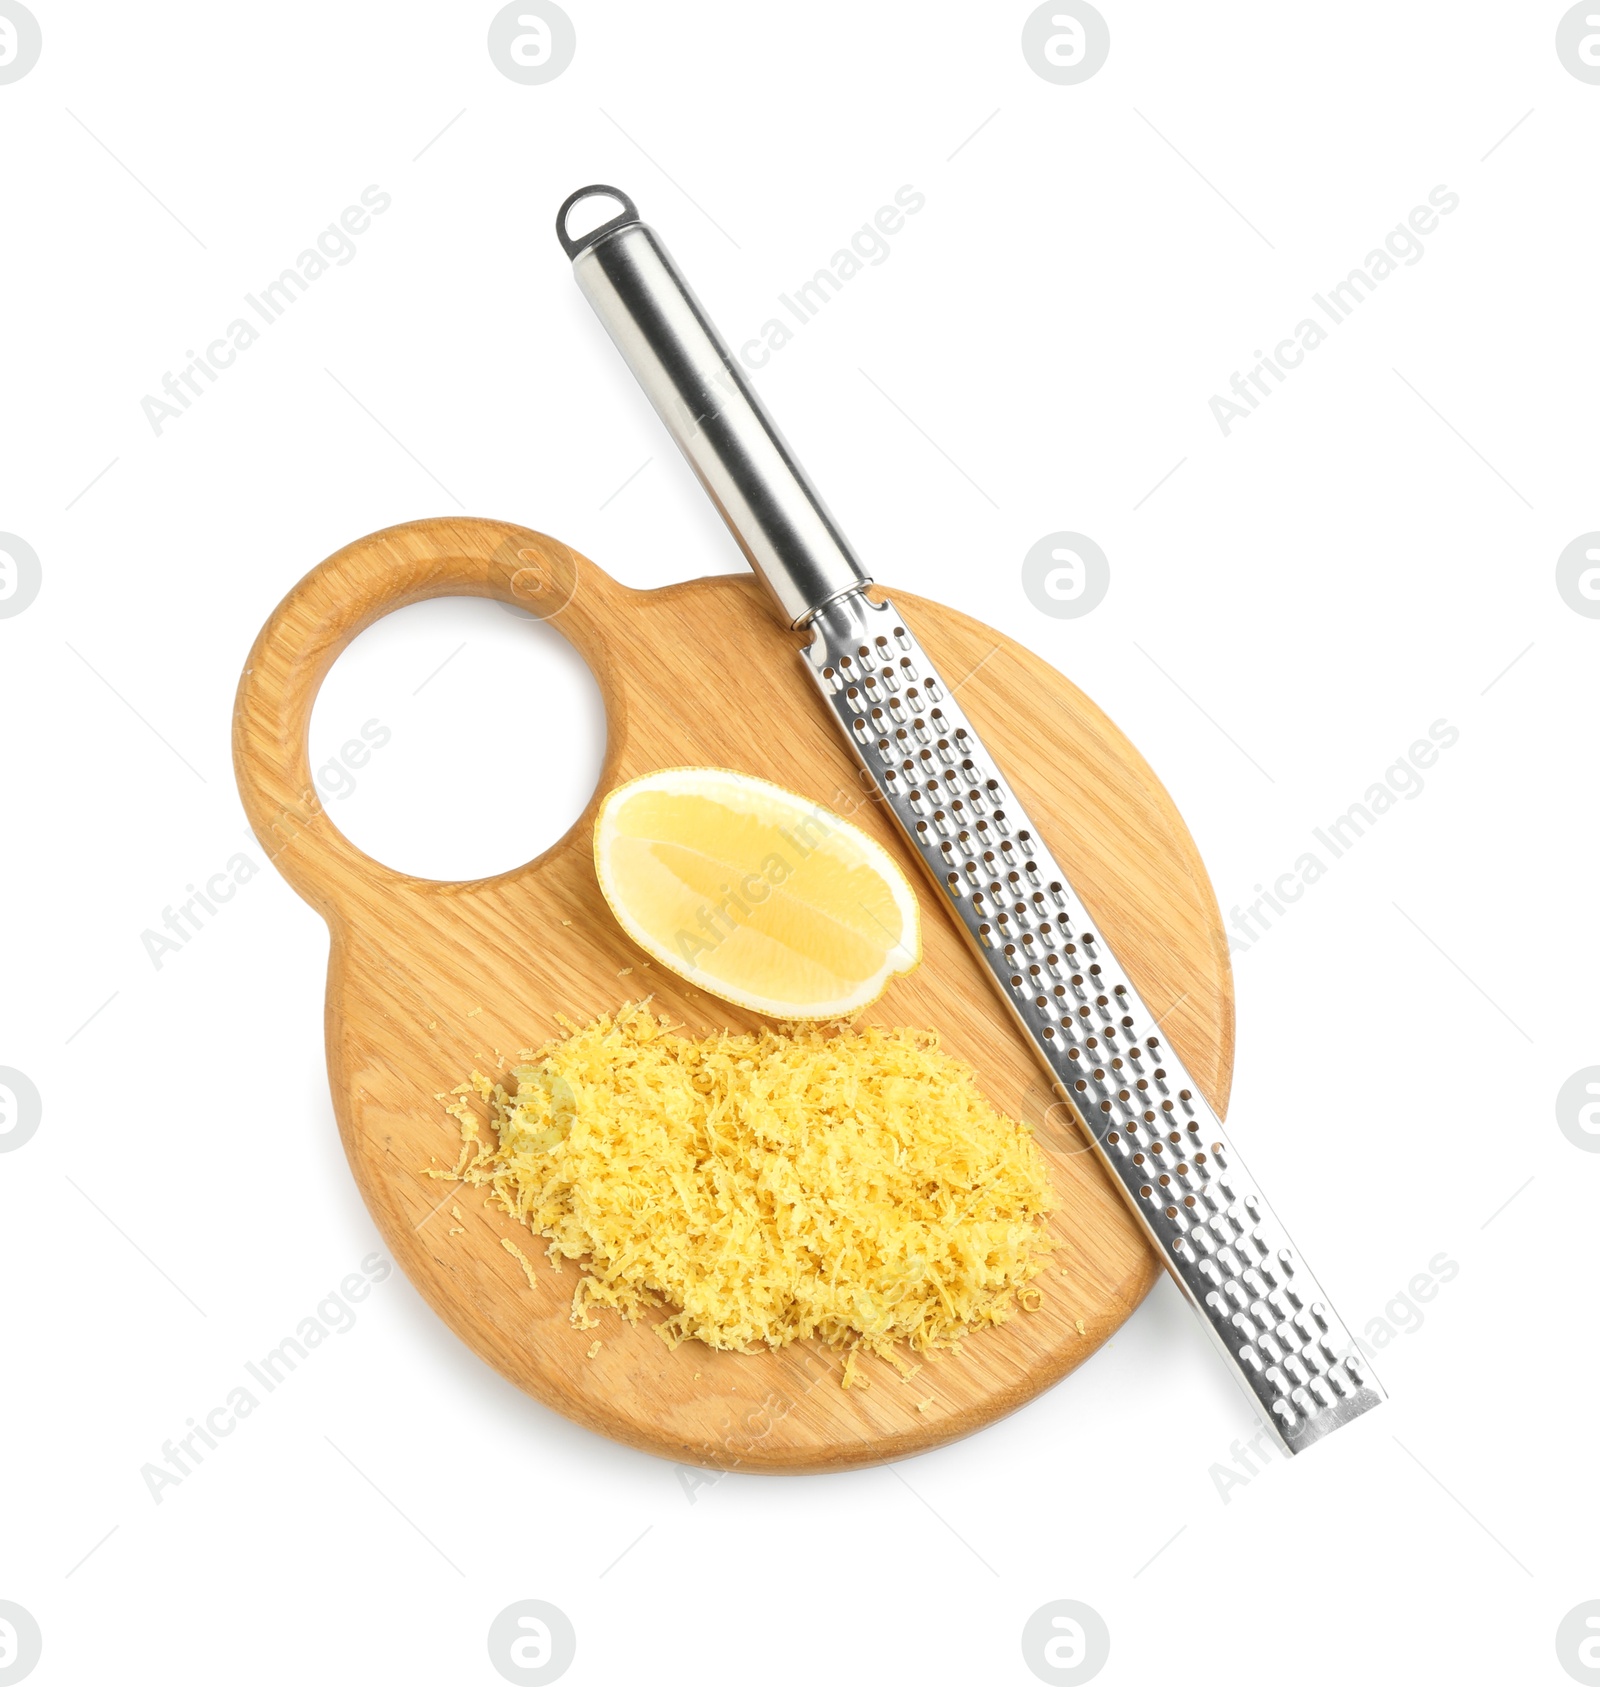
(755, 893)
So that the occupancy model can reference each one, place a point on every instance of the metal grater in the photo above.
(1143, 1114)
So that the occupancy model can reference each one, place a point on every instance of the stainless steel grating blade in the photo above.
(1150, 1125)
(1107, 1057)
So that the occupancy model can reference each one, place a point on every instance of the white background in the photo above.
(1288, 610)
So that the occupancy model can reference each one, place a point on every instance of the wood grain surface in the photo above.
(427, 980)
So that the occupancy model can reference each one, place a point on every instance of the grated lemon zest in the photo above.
(521, 1259)
(767, 1187)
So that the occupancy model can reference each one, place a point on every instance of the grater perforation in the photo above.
(1104, 1049)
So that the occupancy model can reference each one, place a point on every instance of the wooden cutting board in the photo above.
(428, 980)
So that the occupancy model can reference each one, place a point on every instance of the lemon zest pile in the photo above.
(852, 1185)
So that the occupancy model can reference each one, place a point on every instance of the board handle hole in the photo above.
(456, 738)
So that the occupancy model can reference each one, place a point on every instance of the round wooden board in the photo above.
(426, 980)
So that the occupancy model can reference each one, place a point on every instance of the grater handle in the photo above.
(698, 389)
